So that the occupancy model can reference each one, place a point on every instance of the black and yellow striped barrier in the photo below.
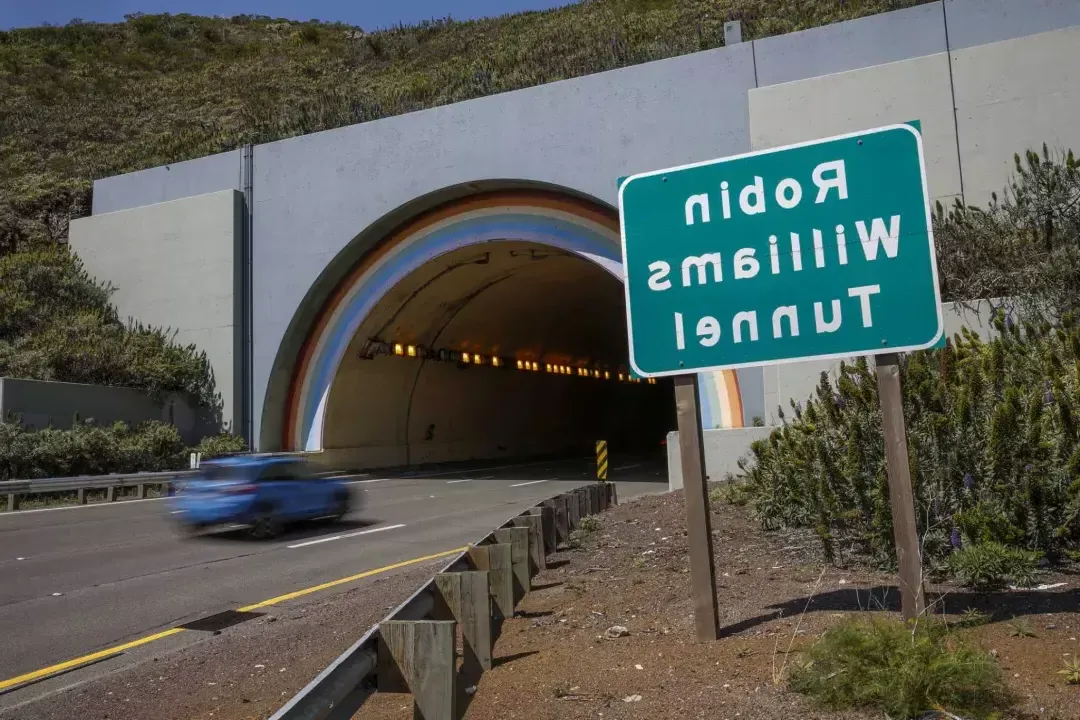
(601, 460)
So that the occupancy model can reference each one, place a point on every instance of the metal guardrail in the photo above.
(15, 489)
(382, 660)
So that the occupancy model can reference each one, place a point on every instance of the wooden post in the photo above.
(536, 542)
(546, 512)
(518, 540)
(699, 526)
(424, 654)
(573, 509)
(562, 521)
(497, 560)
(465, 597)
(901, 495)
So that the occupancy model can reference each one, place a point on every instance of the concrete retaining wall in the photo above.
(39, 404)
(175, 265)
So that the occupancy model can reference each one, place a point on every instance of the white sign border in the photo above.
(803, 358)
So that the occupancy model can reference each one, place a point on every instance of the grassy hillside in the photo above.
(90, 100)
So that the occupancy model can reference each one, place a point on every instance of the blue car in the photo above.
(262, 493)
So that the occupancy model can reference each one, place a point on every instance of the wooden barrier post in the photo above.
(546, 511)
(901, 496)
(573, 509)
(532, 523)
(466, 598)
(562, 521)
(583, 502)
(422, 656)
(601, 460)
(497, 561)
(518, 540)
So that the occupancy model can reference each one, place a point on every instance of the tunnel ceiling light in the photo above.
(495, 362)
(547, 368)
(607, 375)
(398, 349)
(536, 367)
(411, 350)
(520, 365)
(478, 359)
(465, 357)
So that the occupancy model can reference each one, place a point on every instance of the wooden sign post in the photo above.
(901, 495)
(699, 526)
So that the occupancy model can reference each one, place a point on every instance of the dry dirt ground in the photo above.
(775, 594)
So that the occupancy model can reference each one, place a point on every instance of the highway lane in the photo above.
(73, 581)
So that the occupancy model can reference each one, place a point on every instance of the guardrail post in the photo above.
(573, 509)
(497, 559)
(110, 494)
(518, 540)
(537, 561)
(13, 502)
(465, 597)
(80, 496)
(562, 521)
(142, 491)
(546, 511)
(423, 654)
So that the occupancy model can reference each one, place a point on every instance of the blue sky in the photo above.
(368, 14)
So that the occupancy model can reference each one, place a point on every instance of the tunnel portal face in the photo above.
(491, 327)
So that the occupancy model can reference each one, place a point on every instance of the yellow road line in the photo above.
(54, 669)
(85, 659)
(351, 578)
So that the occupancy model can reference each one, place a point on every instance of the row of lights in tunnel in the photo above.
(376, 347)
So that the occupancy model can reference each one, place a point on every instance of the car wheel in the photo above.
(341, 506)
(265, 525)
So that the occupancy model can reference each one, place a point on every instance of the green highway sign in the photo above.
(818, 250)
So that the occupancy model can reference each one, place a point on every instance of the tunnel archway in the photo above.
(522, 279)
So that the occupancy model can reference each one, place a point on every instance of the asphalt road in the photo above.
(76, 580)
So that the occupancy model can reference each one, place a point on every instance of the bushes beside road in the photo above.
(993, 427)
(88, 449)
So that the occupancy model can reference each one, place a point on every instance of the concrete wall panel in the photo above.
(174, 265)
(874, 40)
(315, 194)
(201, 176)
(897, 92)
(39, 404)
(1013, 96)
(979, 22)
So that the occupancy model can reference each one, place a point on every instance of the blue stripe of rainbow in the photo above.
(568, 224)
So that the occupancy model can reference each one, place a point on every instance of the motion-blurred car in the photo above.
(262, 493)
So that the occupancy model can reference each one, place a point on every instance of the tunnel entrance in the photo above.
(503, 349)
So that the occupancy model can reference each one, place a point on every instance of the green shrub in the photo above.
(992, 426)
(886, 666)
(220, 445)
(732, 492)
(991, 566)
(87, 449)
